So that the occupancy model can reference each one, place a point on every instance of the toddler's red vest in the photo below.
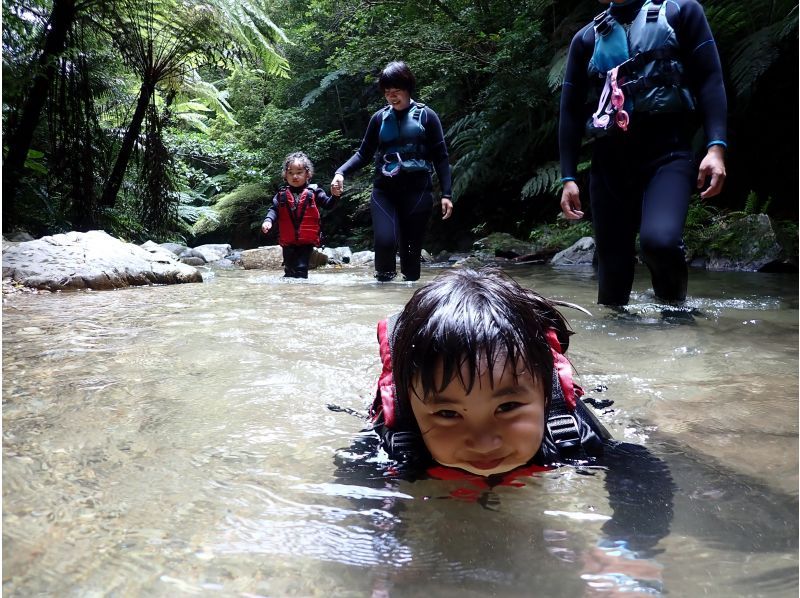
(298, 218)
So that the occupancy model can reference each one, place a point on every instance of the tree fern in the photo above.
(545, 179)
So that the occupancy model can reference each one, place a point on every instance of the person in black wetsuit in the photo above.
(642, 177)
(407, 143)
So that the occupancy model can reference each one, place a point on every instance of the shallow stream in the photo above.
(177, 441)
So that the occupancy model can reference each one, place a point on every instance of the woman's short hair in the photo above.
(465, 318)
(302, 159)
(397, 75)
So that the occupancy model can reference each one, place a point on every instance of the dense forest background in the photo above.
(169, 119)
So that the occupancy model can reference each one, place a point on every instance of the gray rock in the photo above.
(175, 248)
(92, 260)
(581, 253)
(19, 237)
(338, 255)
(501, 245)
(263, 258)
(192, 261)
(157, 250)
(362, 258)
(188, 252)
(213, 252)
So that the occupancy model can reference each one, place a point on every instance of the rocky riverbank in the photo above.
(95, 260)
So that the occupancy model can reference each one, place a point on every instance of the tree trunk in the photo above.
(61, 20)
(114, 181)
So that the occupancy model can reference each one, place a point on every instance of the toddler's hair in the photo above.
(302, 159)
(465, 319)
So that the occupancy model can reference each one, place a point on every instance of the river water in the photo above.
(177, 441)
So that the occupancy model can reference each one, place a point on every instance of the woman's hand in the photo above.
(571, 201)
(337, 184)
(266, 226)
(447, 208)
(713, 166)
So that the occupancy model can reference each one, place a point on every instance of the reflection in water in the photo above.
(176, 440)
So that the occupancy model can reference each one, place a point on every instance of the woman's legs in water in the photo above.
(399, 221)
(615, 202)
(664, 208)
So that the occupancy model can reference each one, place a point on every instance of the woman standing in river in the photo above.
(406, 141)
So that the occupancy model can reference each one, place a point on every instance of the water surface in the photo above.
(176, 440)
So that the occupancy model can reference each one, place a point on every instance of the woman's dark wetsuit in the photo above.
(401, 205)
(642, 179)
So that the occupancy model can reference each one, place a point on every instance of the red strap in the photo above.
(563, 368)
(386, 380)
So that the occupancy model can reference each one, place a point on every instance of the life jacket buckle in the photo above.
(564, 431)
(388, 161)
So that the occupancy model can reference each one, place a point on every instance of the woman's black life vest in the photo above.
(298, 218)
(573, 435)
(402, 144)
(644, 57)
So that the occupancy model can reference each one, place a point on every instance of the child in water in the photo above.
(475, 378)
(296, 208)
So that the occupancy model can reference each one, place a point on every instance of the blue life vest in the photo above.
(402, 144)
(651, 74)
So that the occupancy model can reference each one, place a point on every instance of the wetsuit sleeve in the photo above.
(272, 214)
(703, 69)
(323, 199)
(640, 491)
(437, 148)
(572, 113)
(366, 151)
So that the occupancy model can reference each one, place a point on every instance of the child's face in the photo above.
(296, 174)
(491, 429)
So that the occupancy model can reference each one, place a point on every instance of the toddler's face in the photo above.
(489, 430)
(296, 174)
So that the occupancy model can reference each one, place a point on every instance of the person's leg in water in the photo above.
(295, 260)
(664, 208)
(615, 202)
(414, 212)
(385, 231)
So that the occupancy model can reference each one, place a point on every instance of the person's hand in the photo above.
(337, 184)
(447, 208)
(571, 201)
(713, 166)
(266, 226)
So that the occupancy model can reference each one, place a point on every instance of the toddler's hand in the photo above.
(337, 184)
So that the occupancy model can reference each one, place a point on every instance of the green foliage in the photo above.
(559, 235)
(247, 204)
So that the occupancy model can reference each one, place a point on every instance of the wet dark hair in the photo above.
(464, 317)
(397, 75)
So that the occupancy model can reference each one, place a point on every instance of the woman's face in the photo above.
(399, 99)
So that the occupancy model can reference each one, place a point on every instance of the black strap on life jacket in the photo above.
(297, 210)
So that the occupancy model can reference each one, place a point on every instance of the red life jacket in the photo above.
(298, 219)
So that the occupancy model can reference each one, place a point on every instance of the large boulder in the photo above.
(580, 253)
(748, 244)
(501, 245)
(263, 258)
(92, 260)
(271, 258)
(212, 252)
